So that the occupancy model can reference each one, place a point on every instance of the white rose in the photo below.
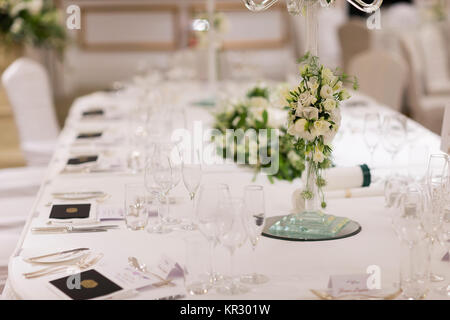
(259, 102)
(306, 99)
(277, 117)
(329, 104)
(326, 92)
(299, 126)
(318, 156)
(311, 113)
(321, 127)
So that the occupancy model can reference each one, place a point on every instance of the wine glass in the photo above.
(254, 218)
(209, 197)
(154, 191)
(444, 236)
(394, 135)
(415, 259)
(192, 176)
(232, 235)
(166, 158)
(436, 193)
(372, 132)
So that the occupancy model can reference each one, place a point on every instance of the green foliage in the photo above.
(27, 22)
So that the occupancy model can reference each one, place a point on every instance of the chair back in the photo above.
(354, 38)
(445, 135)
(381, 75)
(28, 88)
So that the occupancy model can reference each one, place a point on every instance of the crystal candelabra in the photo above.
(295, 5)
(312, 223)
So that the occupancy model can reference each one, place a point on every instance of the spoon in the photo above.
(133, 261)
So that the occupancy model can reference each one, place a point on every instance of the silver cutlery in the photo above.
(173, 297)
(34, 259)
(143, 268)
(72, 229)
(81, 264)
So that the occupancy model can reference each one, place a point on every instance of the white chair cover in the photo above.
(425, 109)
(16, 182)
(29, 92)
(354, 38)
(433, 46)
(381, 75)
(445, 135)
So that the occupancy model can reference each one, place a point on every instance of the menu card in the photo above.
(70, 211)
(89, 135)
(81, 160)
(86, 285)
(93, 112)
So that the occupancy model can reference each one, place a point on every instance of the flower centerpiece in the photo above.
(33, 22)
(313, 122)
(314, 119)
(262, 109)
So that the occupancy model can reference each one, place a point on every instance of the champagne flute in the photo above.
(372, 132)
(232, 235)
(254, 218)
(192, 176)
(445, 240)
(394, 135)
(209, 197)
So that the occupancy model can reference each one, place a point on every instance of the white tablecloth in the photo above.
(293, 267)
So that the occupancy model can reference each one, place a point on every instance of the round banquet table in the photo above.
(293, 267)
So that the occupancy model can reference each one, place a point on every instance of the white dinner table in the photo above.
(293, 267)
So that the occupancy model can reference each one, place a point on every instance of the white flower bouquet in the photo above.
(315, 117)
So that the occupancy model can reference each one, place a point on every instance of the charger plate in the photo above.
(350, 229)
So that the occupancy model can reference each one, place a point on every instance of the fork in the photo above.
(81, 265)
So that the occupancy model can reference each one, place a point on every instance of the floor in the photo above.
(10, 153)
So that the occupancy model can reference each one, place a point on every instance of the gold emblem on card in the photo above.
(89, 284)
(83, 159)
(71, 210)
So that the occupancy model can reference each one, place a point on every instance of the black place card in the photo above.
(88, 284)
(89, 135)
(70, 211)
(82, 159)
(93, 112)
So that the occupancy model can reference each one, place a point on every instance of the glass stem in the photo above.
(211, 260)
(232, 265)
(255, 272)
(168, 207)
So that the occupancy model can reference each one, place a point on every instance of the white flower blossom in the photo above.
(318, 155)
(328, 76)
(311, 113)
(326, 92)
(35, 6)
(329, 104)
(259, 102)
(321, 127)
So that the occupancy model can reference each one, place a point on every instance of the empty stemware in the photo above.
(254, 218)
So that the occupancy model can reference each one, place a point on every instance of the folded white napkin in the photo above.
(347, 177)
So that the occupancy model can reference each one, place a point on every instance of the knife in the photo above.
(57, 253)
(68, 229)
